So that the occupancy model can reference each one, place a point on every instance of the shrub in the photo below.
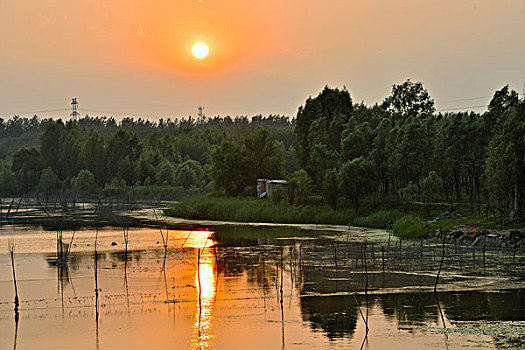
(411, 226)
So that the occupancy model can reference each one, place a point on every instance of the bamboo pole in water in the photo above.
(383, 256)
(12, 254)
(441, 264)
(281, 301)
(125, 233)
(484, 258)
(96, 288)
(366, 288)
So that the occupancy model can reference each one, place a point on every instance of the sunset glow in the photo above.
(130, 45)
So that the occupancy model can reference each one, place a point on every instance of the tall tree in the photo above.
(230, 170)
(121, 145)
(356, 178)
(50, 144)
(27, 165)
(409, 99)
(321, 121)
(502, 100)
(261, 153)
(94, 156)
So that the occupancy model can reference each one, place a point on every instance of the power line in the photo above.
(34, 112)
(464, 99)
(461, 108)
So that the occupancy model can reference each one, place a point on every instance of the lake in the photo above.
(254, 287)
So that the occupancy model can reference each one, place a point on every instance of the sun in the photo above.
(200, 50)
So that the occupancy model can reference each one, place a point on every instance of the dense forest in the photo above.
(334, 151)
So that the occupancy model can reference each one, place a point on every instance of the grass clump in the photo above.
(256, 210)
(380, 219)
(412, 226)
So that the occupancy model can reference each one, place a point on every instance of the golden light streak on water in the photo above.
(206, 283)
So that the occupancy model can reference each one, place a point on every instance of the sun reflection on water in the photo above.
(198, 239)
(205, 281)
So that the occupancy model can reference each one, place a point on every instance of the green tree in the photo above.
(379, 152)
(123, 143)
(430, 187)
(27, 166)
(8, 180)
(50, 144)
(84, 183)
(505, 162)
(357, 140)
(321, 121)
(70, 157)
(230, 170)
(165, 173)
(193, 175)
(321, 160)
(500, 172)
(331, 188)
(408, 194)
(261, 153)
(356, 178)
(502, 100)
(301, 183)
(49, 182)
(94, 156)
(409, 99)
(186, 177)
(126, 170)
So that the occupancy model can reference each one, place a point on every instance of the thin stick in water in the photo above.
(12, 254)
(441, 264)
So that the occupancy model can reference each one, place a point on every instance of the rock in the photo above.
(465, 237)
(457, 234)
(478, 241)
(505, 234)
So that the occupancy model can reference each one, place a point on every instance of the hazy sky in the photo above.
(125, 57)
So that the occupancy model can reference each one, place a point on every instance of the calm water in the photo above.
(235, 289)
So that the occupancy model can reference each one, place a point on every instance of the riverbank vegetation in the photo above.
(370, 165)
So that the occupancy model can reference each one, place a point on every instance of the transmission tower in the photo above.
(74, 104)
(201, 113)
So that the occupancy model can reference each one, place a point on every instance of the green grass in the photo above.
(256, 210)
(413, 225)
(379, 219)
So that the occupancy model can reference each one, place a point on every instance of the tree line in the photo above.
(335, 151)
(93, 154)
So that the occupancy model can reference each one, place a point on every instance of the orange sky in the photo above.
(123, 57)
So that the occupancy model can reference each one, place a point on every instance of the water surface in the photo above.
(237, 288)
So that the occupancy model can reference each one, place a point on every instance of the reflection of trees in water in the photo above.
(335, 315)
(326, 279)
(458, 306)
(242, 236)
(410, 309)
(73, 262)
(472, 306)
(123, 257)
(259, 267)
